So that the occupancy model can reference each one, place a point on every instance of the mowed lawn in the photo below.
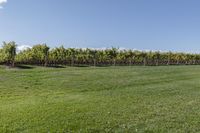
(101, 99)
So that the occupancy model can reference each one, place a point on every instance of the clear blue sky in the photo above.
(140, 24)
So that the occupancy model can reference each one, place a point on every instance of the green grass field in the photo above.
(102, 99)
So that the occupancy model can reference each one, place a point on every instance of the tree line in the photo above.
(41, 54)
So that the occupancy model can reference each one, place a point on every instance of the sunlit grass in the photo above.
(106, 99)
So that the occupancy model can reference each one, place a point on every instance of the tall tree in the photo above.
(112, 54)
(9, 53)
(72, 53)
(144, 56)
(40, 54)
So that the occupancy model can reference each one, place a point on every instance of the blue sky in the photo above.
(137, 24)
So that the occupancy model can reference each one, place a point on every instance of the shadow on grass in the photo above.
(57, 66)
(80, 66)
(24, 67)
(91, 65)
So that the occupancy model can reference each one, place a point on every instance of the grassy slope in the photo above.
(108, 99)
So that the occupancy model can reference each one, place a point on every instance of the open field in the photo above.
(102, 99)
